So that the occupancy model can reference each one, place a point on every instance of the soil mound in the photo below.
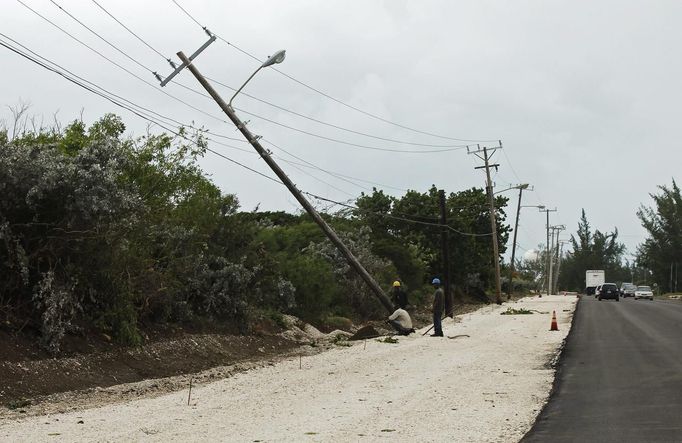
(365, 332)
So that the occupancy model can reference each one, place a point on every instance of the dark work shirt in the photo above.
(438, 300)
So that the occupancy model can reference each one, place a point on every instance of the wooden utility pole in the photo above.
(547, 256)
(560, 253)
(522, 187)
(265, 155)
(493, 221)
(555, 231)
(445, 255)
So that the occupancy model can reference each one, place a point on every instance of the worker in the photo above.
(399, 296)
(438, 304)
(401, 322)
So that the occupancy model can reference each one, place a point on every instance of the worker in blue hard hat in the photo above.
(438, 305)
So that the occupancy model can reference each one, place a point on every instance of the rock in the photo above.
(338, 334)
(312, 332)
(364, 333)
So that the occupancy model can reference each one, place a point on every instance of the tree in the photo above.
(661, 252)
(409, 226)
(592, 250)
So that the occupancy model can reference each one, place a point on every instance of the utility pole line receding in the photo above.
(493, 222)
(446, 254)
(265, 155)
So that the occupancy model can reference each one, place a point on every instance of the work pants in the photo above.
(437, 326)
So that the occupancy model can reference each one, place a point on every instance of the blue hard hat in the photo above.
(435, 281)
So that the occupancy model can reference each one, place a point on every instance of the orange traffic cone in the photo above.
(554, 326)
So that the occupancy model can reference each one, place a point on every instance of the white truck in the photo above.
(593, 278)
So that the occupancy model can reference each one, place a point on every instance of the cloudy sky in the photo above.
(584, 95)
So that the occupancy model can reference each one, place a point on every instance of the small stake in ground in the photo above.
(300, 362)
(554, 326)
(189, 396)
(365, 346)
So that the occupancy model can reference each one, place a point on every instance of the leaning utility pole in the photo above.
(493, 222)
(516, 228)
(547, 256)
(560, 253)
(555, 230)
(446, 254)
(265, 155)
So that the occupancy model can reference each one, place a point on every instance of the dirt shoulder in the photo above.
(94, 371)
(485, 381)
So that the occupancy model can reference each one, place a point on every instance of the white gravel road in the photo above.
(488, 386)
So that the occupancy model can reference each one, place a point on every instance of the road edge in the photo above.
(558, 364)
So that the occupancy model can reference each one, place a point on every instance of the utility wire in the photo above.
(281, 108)
(368, 114)
(130, 105)
(132, 108)
(133, 33)
(169, 119)
(331, 139)
(470, 234)
(117, 64)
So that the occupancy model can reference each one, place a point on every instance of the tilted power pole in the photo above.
(521, 187)
(555, 231)
(547, 256)
(493, 221)
(446, 254)
(265, 155)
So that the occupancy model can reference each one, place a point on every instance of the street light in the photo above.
(521, 187)
(277, 57)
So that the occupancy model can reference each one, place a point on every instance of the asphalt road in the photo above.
(620, 377)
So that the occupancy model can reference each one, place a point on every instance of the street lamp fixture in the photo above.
(277, 57)
(521, 187)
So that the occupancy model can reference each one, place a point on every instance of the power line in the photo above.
(133, 33)
(323, 137)
(184, 124)
(368, 114)
(396, 217)
(117, 64)
(281, 108)
(130, 108)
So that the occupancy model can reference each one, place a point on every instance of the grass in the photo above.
(18, 404)
(388, 340)
(513, 311)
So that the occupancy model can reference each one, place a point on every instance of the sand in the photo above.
(488, 383)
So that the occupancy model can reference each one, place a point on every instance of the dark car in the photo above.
(608, 290)
(627, 290)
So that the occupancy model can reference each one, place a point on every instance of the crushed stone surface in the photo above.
(485, 384)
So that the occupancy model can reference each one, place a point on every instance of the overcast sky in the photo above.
(585, 95)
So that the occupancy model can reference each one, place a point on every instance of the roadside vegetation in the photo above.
(104, 232)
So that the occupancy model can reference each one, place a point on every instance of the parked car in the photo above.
(627, 290)
(644, 292)
(608, 290)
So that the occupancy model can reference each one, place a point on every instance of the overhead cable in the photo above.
(347, 105)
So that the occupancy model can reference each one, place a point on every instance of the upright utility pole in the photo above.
(547, 254)
(265, 155)
(445, 254)
(493, 222)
